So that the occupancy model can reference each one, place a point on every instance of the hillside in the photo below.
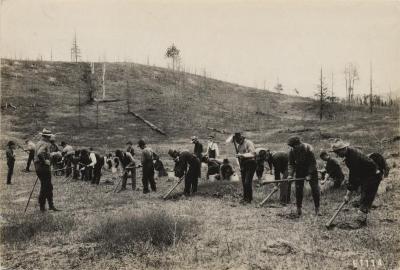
(99, 229)
(179, 103)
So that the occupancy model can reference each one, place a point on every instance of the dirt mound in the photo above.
(220, 189)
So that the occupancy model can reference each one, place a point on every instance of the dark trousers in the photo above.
(148, 178)
(97, 173)
(46, 188)
(192, 177)
(368, 193)
(68, 165)
(247, 171)
(10, 172)
(30, 159)
(315, 192)
(260, 169)
(285, 188)
(89, 173)
(125, 176)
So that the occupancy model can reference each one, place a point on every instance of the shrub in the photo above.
(27, 227)
(125, 230)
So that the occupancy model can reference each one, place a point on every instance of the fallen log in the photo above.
(151, 125)
(107, 100)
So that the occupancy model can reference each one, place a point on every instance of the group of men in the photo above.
(49, 159)
(298, 165)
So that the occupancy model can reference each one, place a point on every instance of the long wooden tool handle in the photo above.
(269, 195)
(335, 215)
(30, 196)
(172, 189)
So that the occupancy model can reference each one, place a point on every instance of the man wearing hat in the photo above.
(43, 171)
(362, 172)
(247, 160)
(212, 147)
(183, 159)
(332, 170)
(302, 163)
(10, 160)
(147, 167)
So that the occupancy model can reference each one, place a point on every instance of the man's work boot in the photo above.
(317, 212)
(361, 219)
(52, 208)
(42, 208)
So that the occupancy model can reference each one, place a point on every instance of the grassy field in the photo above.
(99, 229)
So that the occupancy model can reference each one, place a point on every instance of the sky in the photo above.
(253, 43)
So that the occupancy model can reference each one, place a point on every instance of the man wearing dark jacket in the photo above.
(43, 171)
(363, 173)
(332, 170)
(128, 165)
(183, 160)
(147, 167)
(279, 161)
(302, 163)
(10, 160)
(226, 170)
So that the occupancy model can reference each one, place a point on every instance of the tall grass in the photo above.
(128, 230)
(25, 228)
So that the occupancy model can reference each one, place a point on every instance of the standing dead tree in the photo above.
(322, 95)
(75, 51)
(351, 76)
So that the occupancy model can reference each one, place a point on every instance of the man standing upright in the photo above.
(247, 160)
(31, 154)
(198, 148)
(147, 167)
(302, 163)
(362, 172)
(10, 160)
(42, 167)
(68, 156)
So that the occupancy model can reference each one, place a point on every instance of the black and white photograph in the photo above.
(200, 134)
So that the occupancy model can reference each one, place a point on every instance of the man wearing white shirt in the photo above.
(212, 148)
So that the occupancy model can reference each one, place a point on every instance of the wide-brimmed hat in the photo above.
(339, 145)
(46, 133)
(211, 136)
(129, 142)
